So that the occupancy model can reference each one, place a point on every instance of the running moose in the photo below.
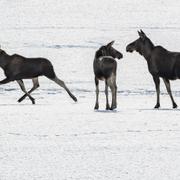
(161, 63)
(17, 68)
(105, 67)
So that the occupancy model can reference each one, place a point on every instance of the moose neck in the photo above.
(147, 50)
(3, 59)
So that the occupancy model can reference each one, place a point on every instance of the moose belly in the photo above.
(25, 76)
(164, 72)
(26, 73)
(102, 75)
(101, 78)
(168, 75)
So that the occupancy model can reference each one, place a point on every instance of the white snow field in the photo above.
(57, 139)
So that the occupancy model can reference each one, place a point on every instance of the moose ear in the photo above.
(110, 44)
(142, 34)
(139, 33)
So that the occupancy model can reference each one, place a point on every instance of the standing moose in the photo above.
(105, 67)
(17, 67)
(161, 63)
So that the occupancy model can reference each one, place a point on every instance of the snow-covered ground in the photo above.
(57, 139)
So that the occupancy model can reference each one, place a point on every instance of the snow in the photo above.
(57, 139)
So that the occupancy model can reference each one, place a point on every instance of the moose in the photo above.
(17, 68)
(105, 67)
(161, 63)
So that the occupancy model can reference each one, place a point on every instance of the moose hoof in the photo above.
(33, 101)
(96, 107)
(113, 107)
(175, 105)
(157, 106)
(19, 100)
(74, 98)
(107, 107)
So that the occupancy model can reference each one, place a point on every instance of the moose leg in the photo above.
(113, 87)
(114, 103)
(115, 95)
(21, 84)
(106, 93)
(62, 84)
(168, 87)
(97, 93)
(35, 86)
(157, 84)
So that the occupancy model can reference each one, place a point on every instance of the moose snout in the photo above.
(129, 49)
(120, 56)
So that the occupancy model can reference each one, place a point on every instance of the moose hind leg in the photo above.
(113, 87)
(62, 84)
(157, 84)
(21, 84)
(35, 86)
(97, 93)
(168, 87)
(106, 93)
(114, 103)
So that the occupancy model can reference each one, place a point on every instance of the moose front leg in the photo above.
(157, 85)
(21, 84)
(35, 86)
